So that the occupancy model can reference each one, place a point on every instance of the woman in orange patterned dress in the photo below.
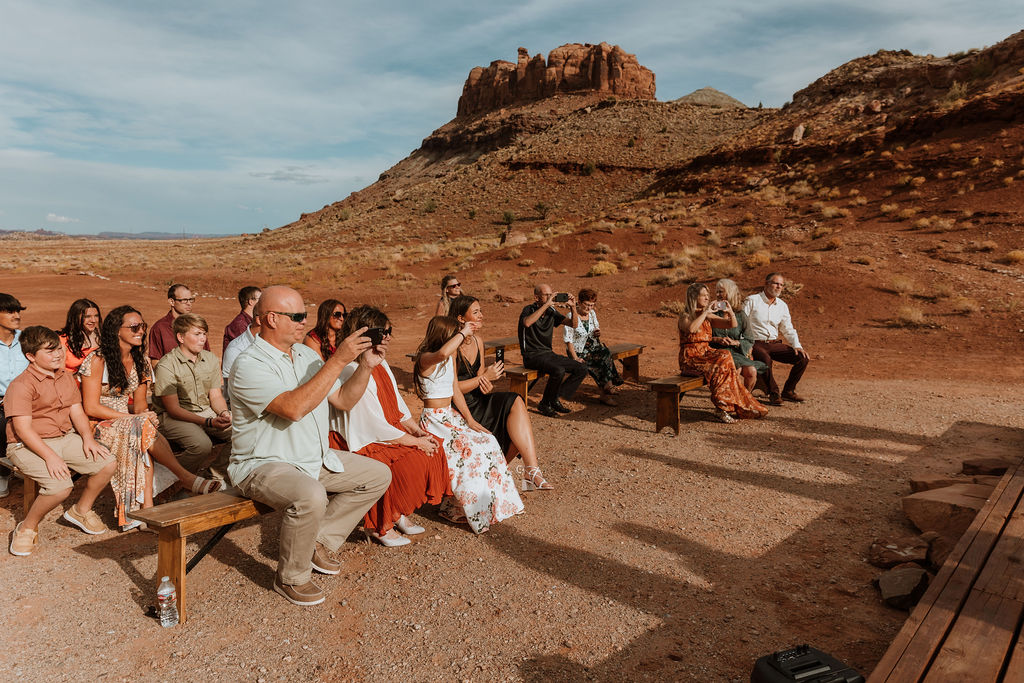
(696, 356)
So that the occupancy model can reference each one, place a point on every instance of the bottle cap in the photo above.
(166, 578)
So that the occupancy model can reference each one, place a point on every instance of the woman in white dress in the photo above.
(484, 490)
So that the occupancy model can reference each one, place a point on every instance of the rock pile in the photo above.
(569, 68)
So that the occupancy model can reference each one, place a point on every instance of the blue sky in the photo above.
(226, 116)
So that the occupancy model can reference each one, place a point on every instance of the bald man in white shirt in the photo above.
(775, 339)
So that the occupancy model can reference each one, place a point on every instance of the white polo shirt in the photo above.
(768, 321)
(261, 374)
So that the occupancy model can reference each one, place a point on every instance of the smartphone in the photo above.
(376, 335)
(561, 298)
(499, 355)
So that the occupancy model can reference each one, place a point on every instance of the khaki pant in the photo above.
(310, 514)
(196, 444)
(70, 449)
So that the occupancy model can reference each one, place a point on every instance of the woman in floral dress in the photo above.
(112, 375)
(583, 343)
(696, 356)
(484, 490)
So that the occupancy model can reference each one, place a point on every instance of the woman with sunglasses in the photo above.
(323, 338)
(113, 375)
(450, 288)
(81, 333)
(381, 427)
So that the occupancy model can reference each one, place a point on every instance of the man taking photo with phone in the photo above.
(537, 324)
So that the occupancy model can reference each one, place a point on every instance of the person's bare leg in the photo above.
(41, 506)
(93, 486)
(147, 493)
(521, 432)
(161, 452)
(749, 376)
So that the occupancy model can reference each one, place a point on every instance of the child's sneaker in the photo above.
(90, 522)
(23, 541)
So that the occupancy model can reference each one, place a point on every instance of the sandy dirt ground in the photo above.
(656, 558)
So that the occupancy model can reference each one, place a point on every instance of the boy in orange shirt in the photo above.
(44, 412)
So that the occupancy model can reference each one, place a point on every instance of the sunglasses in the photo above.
(136, 327)
(456, 284)
(189, 300)
(295, 317)
(337, 315)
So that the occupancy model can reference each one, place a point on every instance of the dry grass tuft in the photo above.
(670, 309)
(674, 260)
(1014, 257)
(668, 279)
(758, 259)
(908, 316)
(888, 208)
(965, 306)
(723, 268)
(602, 268)
(906, 213)
(834, 243)
(750, 246)
(821, 231)
(902, 285)
(748, 231)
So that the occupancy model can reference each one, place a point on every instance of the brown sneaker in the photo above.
(323, 560)
(306, 594)
(792, 396)
(89, 522)
(23, 541)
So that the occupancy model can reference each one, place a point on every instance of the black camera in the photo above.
(376, 335)
(561, 298)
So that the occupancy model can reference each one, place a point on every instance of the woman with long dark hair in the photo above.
(502, 413)
(113, 375)
(330, 316)
(484, 492)
(81, 333)
(381, 427)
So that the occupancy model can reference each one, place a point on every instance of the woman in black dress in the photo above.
(503, 413)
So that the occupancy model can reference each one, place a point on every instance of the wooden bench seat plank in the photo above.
(1002, 574)
(175, 512)
(979, 641)
(507, 343)
(1015, 669)
(925, 630)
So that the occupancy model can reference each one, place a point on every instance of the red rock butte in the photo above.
(569, 68)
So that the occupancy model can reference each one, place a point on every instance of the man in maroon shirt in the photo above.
(247, 298)
(161, 337)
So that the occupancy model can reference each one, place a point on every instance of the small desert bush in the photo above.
(917, 181)
(525, 263)
(430, 206)
(657, 237)
(801, 188)
(902, 285)
(588, 168)
(1014, 257)
(713, 239)
(859, 200)
(723, 268)
(602, 268)
(963, 305)
(668, 279)
(508, 218)
(1008, 180)
(600, 248)
(670, 309)
(942, 224)
(821, 231)
(906, 213)
(986, 246)
(862, 260)
(751, 245)
(834, 243)
(829, 212)
(513, 253)
(758, 259)
(344, 215)
(674, 260)
(748, 231)
(748, 217)
(888, 208)
(922, 223)
(942, 290)
(909, 316)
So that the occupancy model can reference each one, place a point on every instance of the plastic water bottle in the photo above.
(167, 603)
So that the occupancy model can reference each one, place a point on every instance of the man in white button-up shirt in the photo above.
(775, 338)
(280, 391)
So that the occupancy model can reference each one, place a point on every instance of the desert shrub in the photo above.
(508, 218)
(1008, 180)
(525, 263)
(513, 253)
(942, 290)
(668, 279)
(821, 231)
(748, 217)
(986, 246)
(918, 181)
(888, 208)
(758, 259)
(657, 237)
(829, 212)
(801, 188)
(1014, 257)
(922, 223)
(713, 238)
(670, 309)
(542, 209)
(902, 285)
(974, 161)
(909, 316)
(588, 168)
(723, 268)
(834, 193)
(751, 245)
(748, 231)
(942, 224)
(471, 213)
(834, 243)
(906, 213)
(674, 260)
(600, 248)
(859, 200)
(602, 268)
(430, 206)
(963, 305)
(344, 215)
(862, 260)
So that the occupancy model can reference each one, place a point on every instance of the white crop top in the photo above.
(440, 383)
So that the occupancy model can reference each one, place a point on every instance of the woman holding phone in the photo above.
(732, 338)
(502, 413)
(696, 357)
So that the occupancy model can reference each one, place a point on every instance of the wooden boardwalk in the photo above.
(967, 626)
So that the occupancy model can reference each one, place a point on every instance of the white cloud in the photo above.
(54, 218)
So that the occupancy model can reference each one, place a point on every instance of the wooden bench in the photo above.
(521, 378)
(505, 343)
(175, 522)
(669, 389)
(967, 626)
(29, 487)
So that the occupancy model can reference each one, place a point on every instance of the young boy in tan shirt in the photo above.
(44, 412)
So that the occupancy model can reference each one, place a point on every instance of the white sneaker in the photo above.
(5, 486)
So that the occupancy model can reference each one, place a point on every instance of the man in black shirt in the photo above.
(537, 323)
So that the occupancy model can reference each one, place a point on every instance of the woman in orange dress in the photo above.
(381, 427)
(728, 393)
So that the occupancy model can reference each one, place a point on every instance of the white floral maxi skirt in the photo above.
(483, 486)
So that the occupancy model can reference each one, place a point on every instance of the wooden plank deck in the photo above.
(967, 626)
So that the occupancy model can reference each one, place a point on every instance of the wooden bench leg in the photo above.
(518, 385)
(170, 561)
(668, 411)
(631, 368)
(29, 493)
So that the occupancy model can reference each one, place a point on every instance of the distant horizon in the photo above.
(229, 119)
